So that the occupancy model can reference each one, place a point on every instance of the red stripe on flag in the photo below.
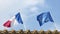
(7, 24)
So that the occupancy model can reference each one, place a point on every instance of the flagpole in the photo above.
(24, 26)
(54, 25)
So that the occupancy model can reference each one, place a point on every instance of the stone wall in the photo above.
(29, 32)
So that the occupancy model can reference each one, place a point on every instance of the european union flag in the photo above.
(18, 18)
(44, 18)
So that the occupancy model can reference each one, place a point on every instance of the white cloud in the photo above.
(42, 2)
(33, 9)
(26, 3)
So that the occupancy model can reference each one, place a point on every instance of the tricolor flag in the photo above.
(44, 18)
(10, 22)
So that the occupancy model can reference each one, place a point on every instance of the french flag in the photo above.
(11, 21)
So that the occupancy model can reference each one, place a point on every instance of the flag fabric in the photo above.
(11, 21)
(7, 24)
(18, 18)
(44, 18)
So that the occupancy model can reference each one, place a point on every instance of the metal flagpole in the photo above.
(24, 26)
(55, 26)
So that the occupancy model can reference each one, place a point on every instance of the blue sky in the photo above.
(29, 9)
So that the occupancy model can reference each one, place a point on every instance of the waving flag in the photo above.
(44, 18)
(18, 18)
(10, 22)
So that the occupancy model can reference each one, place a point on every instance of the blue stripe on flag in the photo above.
(18, 18)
